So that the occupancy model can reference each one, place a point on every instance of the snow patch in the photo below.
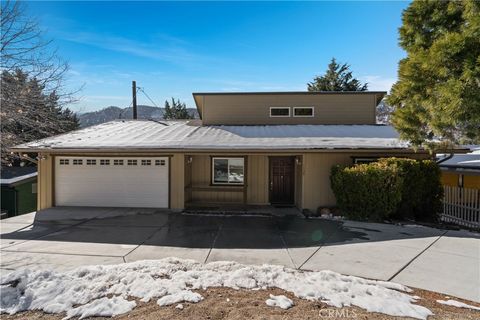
(457, 304)
(103, 307)
(179, 306)
(279, 301)
(84, 291)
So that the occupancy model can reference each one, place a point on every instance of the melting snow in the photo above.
(85, 291)
(457, 304)
(279, 301)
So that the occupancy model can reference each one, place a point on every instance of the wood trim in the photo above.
(168, 152)
(170, 182)
(53, 164)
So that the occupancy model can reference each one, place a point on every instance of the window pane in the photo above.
(236, 171)
(220, 170)
(280, 112)
(303, 112)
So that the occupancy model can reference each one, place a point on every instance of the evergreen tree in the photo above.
(437, 96)
(337, 78)
(29, 113)
(176, 110)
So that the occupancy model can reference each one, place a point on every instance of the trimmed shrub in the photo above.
(422, 190)
(390, 188)
(367, 191)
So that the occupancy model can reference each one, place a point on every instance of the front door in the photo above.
(282, 180)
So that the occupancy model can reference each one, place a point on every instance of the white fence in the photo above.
(461, 206)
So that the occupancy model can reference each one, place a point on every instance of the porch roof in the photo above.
(148, 135)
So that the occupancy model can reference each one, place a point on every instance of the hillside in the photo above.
(113, 112)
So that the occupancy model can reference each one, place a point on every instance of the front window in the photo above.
(227, 171)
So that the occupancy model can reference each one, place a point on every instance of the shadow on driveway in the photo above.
(130, 226)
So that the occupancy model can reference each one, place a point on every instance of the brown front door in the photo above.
(282, 180)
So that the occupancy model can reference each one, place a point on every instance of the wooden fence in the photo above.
(461, 206)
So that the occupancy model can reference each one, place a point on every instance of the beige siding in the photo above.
(299, 182)
(316, 175)
(312, 179)
(255, 109)
(257, 179)
(45, 181)
(177, 181)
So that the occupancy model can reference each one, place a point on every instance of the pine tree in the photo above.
(338, 77)
(176, 110)
(437, 96)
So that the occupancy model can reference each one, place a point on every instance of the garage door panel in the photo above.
(111, 185)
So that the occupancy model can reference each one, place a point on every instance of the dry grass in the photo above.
(244, 304)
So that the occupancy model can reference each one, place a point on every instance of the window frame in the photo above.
(311, 108)
(287, 116)
(212, 168)
(364, 160)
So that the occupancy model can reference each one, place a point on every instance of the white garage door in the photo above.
(111, 182)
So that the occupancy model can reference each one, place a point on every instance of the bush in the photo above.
(422, 190)
(390, 188)
(367, 191)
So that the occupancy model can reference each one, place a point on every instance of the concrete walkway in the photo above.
(63, 238)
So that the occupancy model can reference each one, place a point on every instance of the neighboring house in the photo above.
(461, 170)
(248, 148)
(19, 190)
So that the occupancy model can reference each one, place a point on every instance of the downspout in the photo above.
(446, 158)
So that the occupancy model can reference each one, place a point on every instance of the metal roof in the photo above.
(128, 135)
(462, 161)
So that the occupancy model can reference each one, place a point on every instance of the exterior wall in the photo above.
(471, 181)
(299, 182)
(312, 178)
(257, 192)
(449, 179)
(45, 182)
(201, 178)
(177, 179)
(255, 109)
(452, 179)
(316, 175)
(27, 199)
(46, 174)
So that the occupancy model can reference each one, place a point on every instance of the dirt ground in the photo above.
(226, 303)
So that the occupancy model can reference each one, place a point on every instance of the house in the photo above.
(255, 148)
(19, 190)
(461, 170)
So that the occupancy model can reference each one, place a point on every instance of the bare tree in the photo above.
(23, 46)
(33, 95)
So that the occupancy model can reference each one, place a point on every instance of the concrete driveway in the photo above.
(63, 238)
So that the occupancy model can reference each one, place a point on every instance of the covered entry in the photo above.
(112, 181)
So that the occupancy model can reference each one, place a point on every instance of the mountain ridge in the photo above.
(113, 112)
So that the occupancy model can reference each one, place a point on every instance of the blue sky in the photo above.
(175, 48)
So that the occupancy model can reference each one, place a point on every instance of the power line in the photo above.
(148, 97)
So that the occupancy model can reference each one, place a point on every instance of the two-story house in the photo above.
(255, 148)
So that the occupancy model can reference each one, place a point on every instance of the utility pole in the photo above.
(134, 99)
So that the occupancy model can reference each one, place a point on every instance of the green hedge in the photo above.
(422, 188)
(367, 191)
(390, 188)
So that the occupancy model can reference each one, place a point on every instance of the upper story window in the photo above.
(303, 112)
(228, 171)
(279, 111)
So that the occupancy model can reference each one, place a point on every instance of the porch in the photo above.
(242, 183)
